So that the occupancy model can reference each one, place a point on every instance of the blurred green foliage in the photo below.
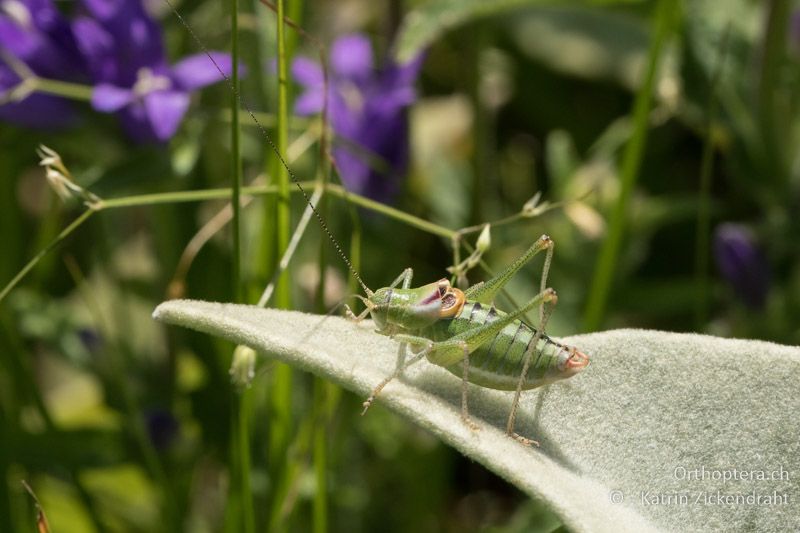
(121, 425)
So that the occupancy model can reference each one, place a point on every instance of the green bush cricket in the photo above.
(463, 332)
(459, 330)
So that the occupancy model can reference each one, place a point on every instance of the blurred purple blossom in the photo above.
(367, 110)
(152, 107)
(162, 428)
(124, 49)
(34, 34)
(794, 31)
(115, 45)
(91, 339)
(742, 263)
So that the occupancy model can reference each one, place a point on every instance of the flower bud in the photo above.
(484, 240)
(243, 366)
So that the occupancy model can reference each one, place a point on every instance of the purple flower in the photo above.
(34, 34)
(91, 339)
(794, 32)
(367, 112)
(742, 263)
(115, 45)
(152, 107)
(36, 110)
(124, 50)
(162, 428)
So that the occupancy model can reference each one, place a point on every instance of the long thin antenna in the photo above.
(272, 145)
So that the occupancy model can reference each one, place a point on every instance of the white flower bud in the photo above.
(484, 240)
(243, 366)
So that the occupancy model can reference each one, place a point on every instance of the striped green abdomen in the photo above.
(497, 363)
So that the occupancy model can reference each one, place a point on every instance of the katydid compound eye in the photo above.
(444, 285)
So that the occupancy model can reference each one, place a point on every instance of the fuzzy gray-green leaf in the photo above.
(641, 422)
(429, 21)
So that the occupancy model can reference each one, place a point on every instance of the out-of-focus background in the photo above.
(655, 141)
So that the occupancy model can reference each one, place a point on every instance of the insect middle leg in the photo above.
(401, 366)
(430, 347)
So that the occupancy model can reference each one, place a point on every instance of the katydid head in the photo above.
(414, 308)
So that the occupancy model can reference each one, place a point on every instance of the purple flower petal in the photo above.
(199, 70)
(44, 14)
(16, 39)
(307, 73)
(309, 103)
(351, 57)
(134, 121)
(742, 263)
(103, 9)
(109, 98)
(367, 109)
(36, 110)
(97, 46)
(165, 110)
(794, 31)
(39, 111)
(162, 428)
(136, 39)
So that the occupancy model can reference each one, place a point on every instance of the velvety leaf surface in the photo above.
(431, 20)
(640, 441)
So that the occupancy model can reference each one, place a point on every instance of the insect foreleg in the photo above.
(486, 291)
(405, 277)
(350, 315)
(464, 383)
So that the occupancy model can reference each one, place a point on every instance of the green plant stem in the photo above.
(280, 394)
(52, 244)
(324, 405)
(632, 158)
(243, 423)
(75, 91)
(702, 238)
(236, 160)
(223, 193)
(188, 196)
(771, 111)
(372, 205)
(482, 151)
(284, 207)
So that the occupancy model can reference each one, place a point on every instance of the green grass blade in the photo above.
(632, 158)
(280, 393)
(702, 237)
